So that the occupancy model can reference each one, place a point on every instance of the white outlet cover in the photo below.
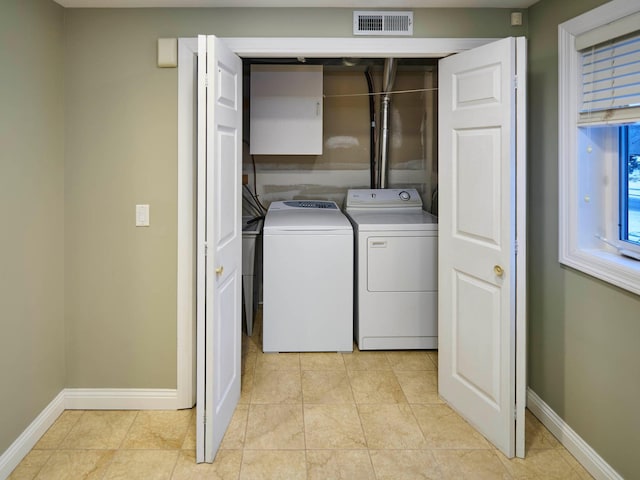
(142, 215)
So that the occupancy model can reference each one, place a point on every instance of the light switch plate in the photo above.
(142, 215)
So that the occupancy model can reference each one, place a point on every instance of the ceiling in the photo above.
(364, 4)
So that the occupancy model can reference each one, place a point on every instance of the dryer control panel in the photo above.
(407, 198)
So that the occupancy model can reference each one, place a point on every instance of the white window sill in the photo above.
(606, 265)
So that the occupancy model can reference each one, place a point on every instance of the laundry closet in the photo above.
(334, 153)
(478, 190)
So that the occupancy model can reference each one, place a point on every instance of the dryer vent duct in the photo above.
(382, 23)
(388, 79)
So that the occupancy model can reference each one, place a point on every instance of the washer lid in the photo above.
(391, 220)
(306, 221)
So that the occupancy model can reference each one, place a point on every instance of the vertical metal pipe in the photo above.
(372, 130)
(383, 161)
(388, 78)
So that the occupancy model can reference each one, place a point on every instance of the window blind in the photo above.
(615, 29)
(611, 75)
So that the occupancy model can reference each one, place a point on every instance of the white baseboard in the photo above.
(84, 399)
(580, 449)
(27, 439)
(120, 399)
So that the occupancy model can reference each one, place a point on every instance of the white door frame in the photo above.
(186, 283)
(256, 47)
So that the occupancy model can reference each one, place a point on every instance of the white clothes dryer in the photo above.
(307, 278)
(396, 270)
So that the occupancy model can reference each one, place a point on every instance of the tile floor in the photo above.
(365, 415)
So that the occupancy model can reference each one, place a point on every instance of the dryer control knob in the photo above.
(404, 195)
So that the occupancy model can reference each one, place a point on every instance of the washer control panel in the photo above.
(384, 198)
(311, 204)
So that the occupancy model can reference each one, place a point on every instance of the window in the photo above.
(599, 143)
(630, 187)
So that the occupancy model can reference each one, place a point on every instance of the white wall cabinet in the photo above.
(286, 110)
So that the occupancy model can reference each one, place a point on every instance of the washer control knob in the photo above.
(404, 195)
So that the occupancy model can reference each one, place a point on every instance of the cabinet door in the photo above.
(286, 110)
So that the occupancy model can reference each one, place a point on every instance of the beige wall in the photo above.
(584, 334)
(31, 210)
(120, 282)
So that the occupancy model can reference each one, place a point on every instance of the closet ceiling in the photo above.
(363, 4)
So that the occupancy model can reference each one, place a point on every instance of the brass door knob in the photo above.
(219, 270)
(497, 269)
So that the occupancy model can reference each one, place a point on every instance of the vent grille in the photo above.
(382, 23)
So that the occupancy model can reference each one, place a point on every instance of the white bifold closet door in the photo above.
(219, 243)
(481, 303)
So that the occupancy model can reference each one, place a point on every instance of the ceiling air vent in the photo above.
(382, 23)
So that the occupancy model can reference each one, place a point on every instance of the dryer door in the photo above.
(399, 263)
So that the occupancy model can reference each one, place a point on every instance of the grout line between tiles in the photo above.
(70, 429)
(41, 466)
(124, 437)
(175, 464)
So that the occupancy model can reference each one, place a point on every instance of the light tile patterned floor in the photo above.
(315, 416)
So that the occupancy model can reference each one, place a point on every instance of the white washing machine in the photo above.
(396, 270)
(307, 278)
